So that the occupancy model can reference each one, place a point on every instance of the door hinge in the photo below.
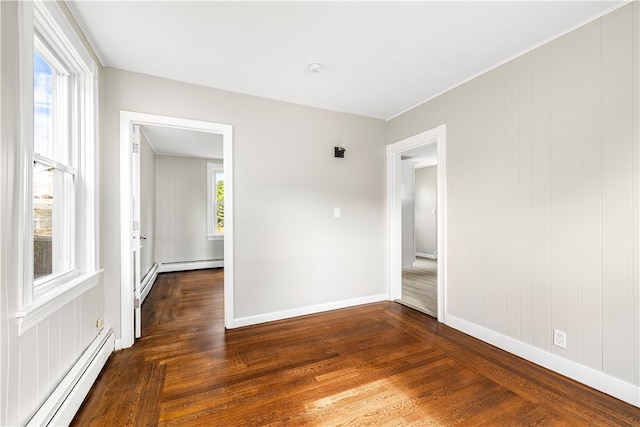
(136, 147)
(136, 225)
(136, 303)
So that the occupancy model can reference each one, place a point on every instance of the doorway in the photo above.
(433, 140)
(130, 288)
(419, 229)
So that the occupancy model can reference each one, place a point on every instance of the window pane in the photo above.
(53, 218)
(219, 203)
(42, 106)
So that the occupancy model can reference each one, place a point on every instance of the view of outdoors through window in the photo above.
(43, 176)
(219, 203)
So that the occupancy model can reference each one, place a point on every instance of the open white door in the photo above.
(135, 192)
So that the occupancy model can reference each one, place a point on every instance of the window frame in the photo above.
(62, 135)
(212, 203)
(44, 26)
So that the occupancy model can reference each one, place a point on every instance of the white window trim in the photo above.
(52, 27)
(212, 168)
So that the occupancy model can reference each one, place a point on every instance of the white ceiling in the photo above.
(423, 156)
(183, 142)
(380, 58)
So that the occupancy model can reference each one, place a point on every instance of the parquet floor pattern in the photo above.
(379, 364)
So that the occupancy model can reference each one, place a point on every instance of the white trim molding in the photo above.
(437, 136)
(312, 309)
(596, 379)
(128, 120)
(57, 298)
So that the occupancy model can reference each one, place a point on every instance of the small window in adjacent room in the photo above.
(215, 201)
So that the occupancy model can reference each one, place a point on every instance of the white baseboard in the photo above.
(168, 267)
(63, 403)
(286, 314)
(148, 281)
(423, 255)
(596, 379)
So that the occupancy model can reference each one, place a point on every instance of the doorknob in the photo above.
(143, 237)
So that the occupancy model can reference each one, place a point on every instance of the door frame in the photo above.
(127, 120)
(437, 136)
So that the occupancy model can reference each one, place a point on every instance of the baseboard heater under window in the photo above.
(65, 400)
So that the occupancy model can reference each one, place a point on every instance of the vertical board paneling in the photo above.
(473, 163)
(565, 192)
(493, 206)
(568, 190)
(67, 325)
(617, 190)
(78, 325)
(540, 194)
(591, 196)
(512, 198)
(42, 367)
(55, 338)
(457, 202)
(636, 192)
(181, 211)
(28, 378)
(525, 195)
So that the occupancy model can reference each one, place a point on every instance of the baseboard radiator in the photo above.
(148, 281)
(65, 400)
(167, 267)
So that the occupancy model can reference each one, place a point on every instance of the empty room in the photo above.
(320, 213)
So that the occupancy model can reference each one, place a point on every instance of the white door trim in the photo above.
(437, 136)
(127, 120)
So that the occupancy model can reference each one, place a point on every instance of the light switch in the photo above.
(336, 212)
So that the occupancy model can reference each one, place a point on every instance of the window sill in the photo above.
(215, 237)
(48, 303)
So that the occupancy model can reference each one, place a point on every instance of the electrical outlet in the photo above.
(559, 338)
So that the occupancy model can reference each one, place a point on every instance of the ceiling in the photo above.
(379, 58)
(170, 141)
(422, 156)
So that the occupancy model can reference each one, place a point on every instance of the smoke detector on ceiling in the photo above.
(315, 67)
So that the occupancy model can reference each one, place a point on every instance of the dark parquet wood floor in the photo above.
(380, 364)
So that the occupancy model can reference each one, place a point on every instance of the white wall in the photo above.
(407, 189)
(147, 205)
(542, 182)
(181, 211)
(31, 364)
(425, 210)
(290, 251)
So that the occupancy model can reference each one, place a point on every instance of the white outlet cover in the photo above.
(559, 338)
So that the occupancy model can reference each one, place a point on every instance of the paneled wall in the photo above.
(408, 214)
(542, 187)
(31, 364)
(181, 211)
(425, 206)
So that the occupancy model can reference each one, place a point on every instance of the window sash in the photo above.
(215, 174)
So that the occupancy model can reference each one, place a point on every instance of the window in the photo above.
(59, 147)
(215, 201)
(53, 174)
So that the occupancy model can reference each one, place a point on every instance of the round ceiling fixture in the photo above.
(315, 67)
